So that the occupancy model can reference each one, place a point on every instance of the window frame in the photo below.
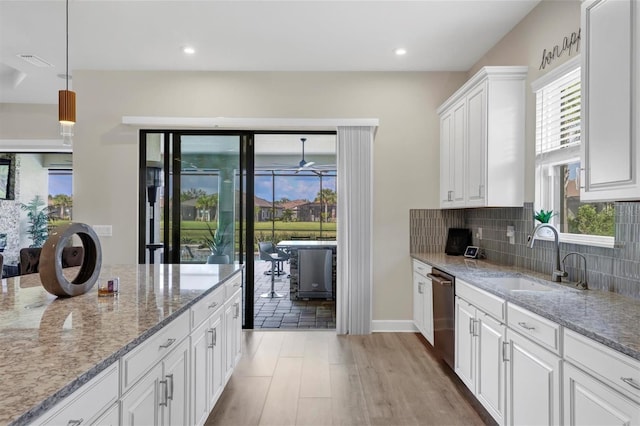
(546, 193)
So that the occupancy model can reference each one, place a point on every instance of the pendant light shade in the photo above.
(67, 98)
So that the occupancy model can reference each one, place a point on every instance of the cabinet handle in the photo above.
(170, 378)
(237, 306)
(471, 326)
(167, 344)
(526, 326)
(74, 422)
(211, 331)
(630, 382)
(165, 393)
(420, 288)
(213, 305)
(480, 190)
(505, 345)
(449, 195)
(582, 177)
(475, 334)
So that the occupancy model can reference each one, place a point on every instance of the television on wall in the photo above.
(6, 179)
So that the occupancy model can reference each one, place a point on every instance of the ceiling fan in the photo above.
(303, 163)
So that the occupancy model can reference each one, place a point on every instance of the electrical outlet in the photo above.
(479, 234)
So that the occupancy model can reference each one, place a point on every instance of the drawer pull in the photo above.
(526, 326)
(421, 288)
(630, 382)
(170, 378)
(237, 305)
(213, 305)
(237, 284)
(167, 344)
(74, 422)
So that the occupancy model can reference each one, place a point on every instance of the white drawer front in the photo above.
(537, 328)
(233, 285)
(490, 304)
(616, 369)
(88, 402)
(207, 306)
(148, 353)
(421, 268)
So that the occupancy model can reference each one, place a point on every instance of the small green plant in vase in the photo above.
(543, 216)
(217, 243)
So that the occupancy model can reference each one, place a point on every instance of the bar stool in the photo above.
(268, 253)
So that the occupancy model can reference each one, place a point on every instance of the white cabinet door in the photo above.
(610, 133)
(490, 380)
(140, 406)
(533, 383)
(427, 310)
(465, 343)
(216, 378)
(175, 382)
(201, 366)
(207, 360)
(233, 333)
(476, 155)
(452, 141)
(588, 401)
(418, 301)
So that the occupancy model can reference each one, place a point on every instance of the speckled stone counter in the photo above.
(51, 346)
(606, 317)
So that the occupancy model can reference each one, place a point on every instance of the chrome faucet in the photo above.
(557, 273)
(582, 276)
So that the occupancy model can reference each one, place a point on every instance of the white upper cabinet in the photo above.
(611, 100)
(482, 141)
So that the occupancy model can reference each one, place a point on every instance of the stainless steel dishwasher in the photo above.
(443, 286)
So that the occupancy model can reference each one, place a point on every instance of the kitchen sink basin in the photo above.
(521, 284)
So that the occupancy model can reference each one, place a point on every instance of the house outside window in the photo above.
(558, 170)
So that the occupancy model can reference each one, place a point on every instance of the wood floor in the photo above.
(319, 378)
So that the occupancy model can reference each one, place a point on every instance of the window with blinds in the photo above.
(558, 114)
(558, 104)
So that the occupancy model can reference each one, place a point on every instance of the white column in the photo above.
(355, 227)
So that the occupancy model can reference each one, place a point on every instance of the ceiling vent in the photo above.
(34, 60)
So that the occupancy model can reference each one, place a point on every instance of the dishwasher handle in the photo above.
(438, 279)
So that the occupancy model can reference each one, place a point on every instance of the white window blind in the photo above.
(558, 114)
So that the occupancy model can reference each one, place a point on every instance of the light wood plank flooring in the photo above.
(319, 378)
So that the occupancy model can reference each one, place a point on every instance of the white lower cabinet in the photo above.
(161, 397)
(479, 356)
(588, 401)
(94, 403)
(207, 360)
(423, 300)
(533, 382)
(233, 332)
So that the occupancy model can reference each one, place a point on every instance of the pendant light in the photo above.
(67, 98)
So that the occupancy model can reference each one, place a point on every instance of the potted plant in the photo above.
(38, 221)
(544, 216)
(217, 243)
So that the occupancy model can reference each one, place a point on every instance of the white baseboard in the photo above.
(395, 326)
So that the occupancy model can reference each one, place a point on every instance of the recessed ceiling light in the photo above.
(188, 50)
(400, 51)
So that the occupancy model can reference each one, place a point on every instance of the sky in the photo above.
(60, 184)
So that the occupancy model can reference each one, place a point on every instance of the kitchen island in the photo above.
(53, 346)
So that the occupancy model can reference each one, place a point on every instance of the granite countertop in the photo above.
(51, 346)
(606, 317)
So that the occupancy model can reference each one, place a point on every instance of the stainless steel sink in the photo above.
(521, 284)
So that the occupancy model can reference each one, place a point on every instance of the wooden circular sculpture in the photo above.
(51, 276)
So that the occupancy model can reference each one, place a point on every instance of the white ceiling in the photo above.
(238, 35)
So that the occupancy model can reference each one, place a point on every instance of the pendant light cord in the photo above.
(67, 46)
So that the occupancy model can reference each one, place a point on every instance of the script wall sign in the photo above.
(569, 44)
